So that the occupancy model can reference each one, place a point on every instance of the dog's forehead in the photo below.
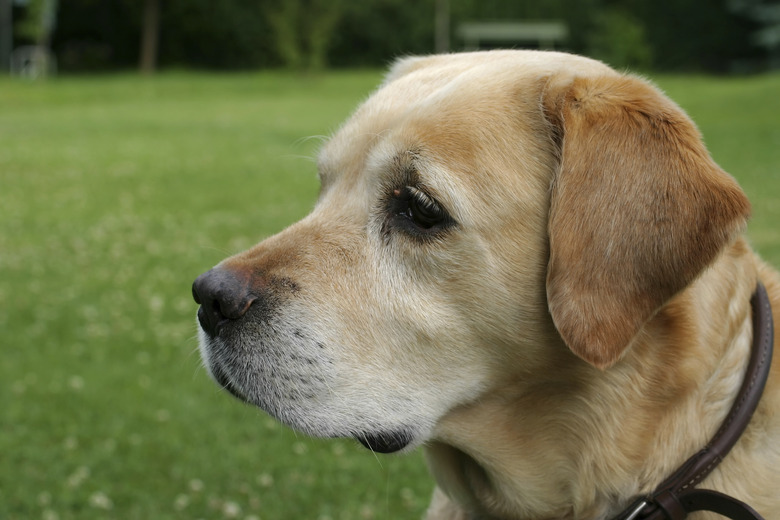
(442, 94)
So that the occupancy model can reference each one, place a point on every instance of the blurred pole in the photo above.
(150, 29)
(6, 35)
(442, 26)
(48, 22)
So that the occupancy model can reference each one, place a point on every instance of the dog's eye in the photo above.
(418, 212)
(423, 210)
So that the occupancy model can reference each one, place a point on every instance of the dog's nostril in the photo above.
(222, 296)
(195, 295)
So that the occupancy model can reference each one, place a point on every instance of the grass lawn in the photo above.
(115, 193)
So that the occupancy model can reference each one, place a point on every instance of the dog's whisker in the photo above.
(307, 158)
(320, 138)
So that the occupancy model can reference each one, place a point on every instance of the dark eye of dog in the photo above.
(419, 212)
(423, 210)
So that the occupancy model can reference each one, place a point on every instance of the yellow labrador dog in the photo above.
(529, 265)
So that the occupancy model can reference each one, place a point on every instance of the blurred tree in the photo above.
(97, 35)
(230, 34)
(150, 29)
(766, 14)
(373, 32)
(692, 34)
(303, 30)
(619, 39)
(284, 19)
(6, 35)
(38, 22)
(441, 26)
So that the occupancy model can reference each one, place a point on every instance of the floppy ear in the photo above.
(638, 210)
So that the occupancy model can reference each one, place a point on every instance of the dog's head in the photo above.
(481, 217)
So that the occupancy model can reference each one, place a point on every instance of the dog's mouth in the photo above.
(224, 381)
(378, 442)
(296, 412)
(385, 442)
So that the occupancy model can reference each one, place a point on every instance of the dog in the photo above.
(525, 263)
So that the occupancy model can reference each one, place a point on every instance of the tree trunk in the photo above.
(150, 30)
(6, 35)
(442, 26)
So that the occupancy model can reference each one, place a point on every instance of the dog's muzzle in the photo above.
(236, 315)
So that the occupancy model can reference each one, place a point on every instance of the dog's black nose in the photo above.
(223, 296)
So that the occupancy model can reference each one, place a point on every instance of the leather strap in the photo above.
(706, 500)
(676, 496)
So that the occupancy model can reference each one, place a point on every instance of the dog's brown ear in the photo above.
(638, 210)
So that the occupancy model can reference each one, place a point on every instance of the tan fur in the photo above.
(579, 332)
(632, 165)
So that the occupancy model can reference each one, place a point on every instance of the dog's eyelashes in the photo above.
(423, 210)
(417, 212)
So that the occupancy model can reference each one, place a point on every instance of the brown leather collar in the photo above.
(677, 496)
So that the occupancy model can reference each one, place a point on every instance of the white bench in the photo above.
(544, 34)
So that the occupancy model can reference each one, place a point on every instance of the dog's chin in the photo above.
(377, 438)
(392, 441)
(224, 381)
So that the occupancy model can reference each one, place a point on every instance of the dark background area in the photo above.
(99, 35)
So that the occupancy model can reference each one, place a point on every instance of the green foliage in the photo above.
(116, 193)
(29, 27)
(310, 34)
(36, 24)
(619, 40)
(303, 30)
(373, 32)
(693, 35)
(231, 34)
(99, 35)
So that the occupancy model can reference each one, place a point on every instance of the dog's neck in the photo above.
(585, 442)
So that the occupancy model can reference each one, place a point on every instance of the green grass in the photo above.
(115, 193)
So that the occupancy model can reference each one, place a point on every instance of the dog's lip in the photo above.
(212, 331)
(385, 442)
(224, 381)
